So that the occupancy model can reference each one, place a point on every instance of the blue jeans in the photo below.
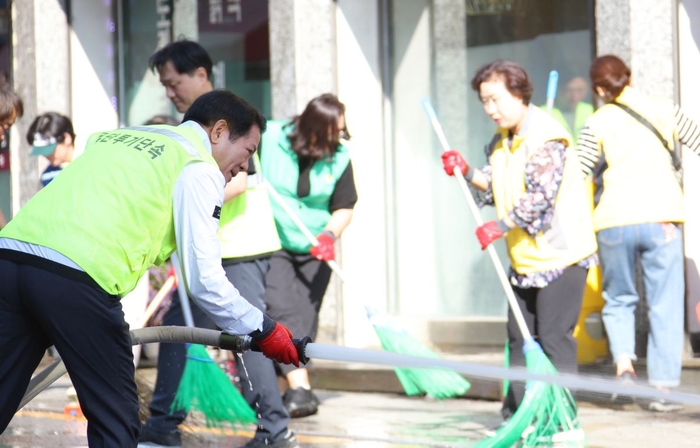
(660, 248)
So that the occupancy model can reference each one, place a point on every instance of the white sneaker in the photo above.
(664, 406)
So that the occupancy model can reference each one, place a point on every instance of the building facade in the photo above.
(410, 251)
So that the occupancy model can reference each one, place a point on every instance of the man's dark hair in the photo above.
(221, 104)
(10, 101)
(186, 56)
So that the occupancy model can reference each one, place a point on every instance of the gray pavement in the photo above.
(371, 419)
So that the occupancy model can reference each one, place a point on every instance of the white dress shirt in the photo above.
(198, 189)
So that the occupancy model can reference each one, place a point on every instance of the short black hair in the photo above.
(186, 56)
(50, 124)
(221, 104)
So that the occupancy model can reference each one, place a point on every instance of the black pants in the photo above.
(295, 286)
(551, 314)
(264, 397)
(39, 308)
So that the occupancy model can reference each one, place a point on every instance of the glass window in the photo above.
(441, 270)
(234, 33)
(237, 37)
(542, 35)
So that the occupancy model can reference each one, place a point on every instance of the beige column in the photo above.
(302, 53)
(40, 73)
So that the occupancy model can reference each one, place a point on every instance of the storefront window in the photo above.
(234, 33)
(435, 49)
(542, 35)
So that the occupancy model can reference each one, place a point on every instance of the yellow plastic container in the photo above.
(592, 343)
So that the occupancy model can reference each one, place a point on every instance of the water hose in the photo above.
(172, 334)
(330, 352)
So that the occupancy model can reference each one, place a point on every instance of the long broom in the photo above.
(204, 386)
(436, 383)
(547, 412)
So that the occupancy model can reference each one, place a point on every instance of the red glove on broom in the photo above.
(275, 342)
(325, 249)
(452, 159)
(489, 232)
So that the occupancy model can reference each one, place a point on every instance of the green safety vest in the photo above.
(111, 210)
(247, 226)
(281, 167)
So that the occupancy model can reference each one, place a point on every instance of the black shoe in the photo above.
(288, 441)
(152, 438)
(300, 402)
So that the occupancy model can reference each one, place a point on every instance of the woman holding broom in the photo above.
(533, 180)
(305, 162)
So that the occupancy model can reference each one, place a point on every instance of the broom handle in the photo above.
(157, 300)
(181, 291)
(552, 90)
(300, 225)
(507, 288)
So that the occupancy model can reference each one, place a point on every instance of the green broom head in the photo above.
(206, 388)
(547, 414)
(436, 383)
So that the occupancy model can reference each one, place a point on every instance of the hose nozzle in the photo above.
(241, 344)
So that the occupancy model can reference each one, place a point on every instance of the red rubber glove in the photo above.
(325, 249)
(171, 273)
(488, 232)
(277, 345)
(452, 159)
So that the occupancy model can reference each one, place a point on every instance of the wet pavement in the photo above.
(364, 419)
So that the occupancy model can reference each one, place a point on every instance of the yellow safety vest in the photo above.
(247, 226)
(569, 238)
(639, 184)
(111, 210)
